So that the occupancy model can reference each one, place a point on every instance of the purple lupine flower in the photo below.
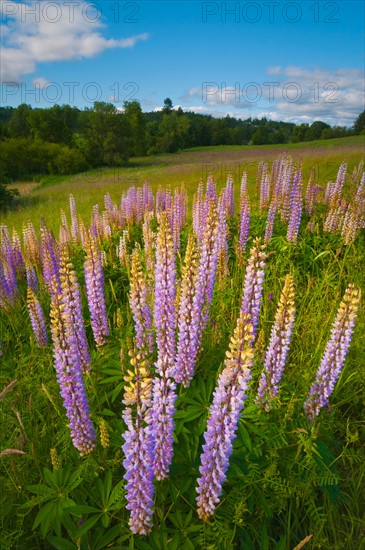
(224, 415)
(206, 273)
(17, 253)
(50, 256)
(162, 417)
(71, 298)
(164, 299)
(149, 241)
(286, 189)
(139, 445)
(278, 348)
(94, 279)
(244, 223)
(335, 353)
(243, 188)
(295, 208)
(186, 353)
(264, 190)
(138, 300)
(229, 196)
(211, 192)
(138, 449)
(310, 194)
(31, 276)
(37, 318)
(164, 395)
(254, 280)
(199, 212)
(68, 368)
(9, 278)
(7, 292)
(222, 236)
(270, 221)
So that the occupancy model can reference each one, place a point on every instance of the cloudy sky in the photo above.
(287, 60)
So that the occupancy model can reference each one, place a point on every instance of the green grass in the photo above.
(184, 168)
(288, 478)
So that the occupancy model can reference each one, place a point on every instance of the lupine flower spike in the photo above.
(278, 348)
(37, 318)
(254, 280)
(139, 303)
(164, 395)
(94, 279)
(138, 447)
(67, 363)
(224, 415)
(335, 353)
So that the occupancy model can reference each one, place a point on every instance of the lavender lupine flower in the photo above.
(186, 353)
(335, 353)
(149, 241)
(254, 280)
(311, 194)
(229, 196)
(138, 300)
(206, 274)
(8, 265)
(164, 299)
(296, 207)
(199, 212)
(37, 318)
(165, 323)
(69, 376)
(222, 237)
(31, 276)
(211, 192)
(50, 256)
(270, 221)
(7, 293)
(94, 279)
(17, 253)
(139, 445)
(278, 348)
(244, 223)
(286, 189)
(224, 415)
(264, 191)
(243, 188)
(71, 299)
(162, 418)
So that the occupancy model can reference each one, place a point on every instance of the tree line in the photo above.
(64, 139)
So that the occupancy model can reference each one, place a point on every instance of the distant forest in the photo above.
(66, 140)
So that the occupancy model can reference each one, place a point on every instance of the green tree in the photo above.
(315, 130)
(137, 124)
(359, 124)
(167, 106)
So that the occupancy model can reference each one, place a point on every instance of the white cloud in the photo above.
(292, 94)
(42, 35)
(40, 82)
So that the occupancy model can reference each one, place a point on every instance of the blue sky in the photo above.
(297, 61)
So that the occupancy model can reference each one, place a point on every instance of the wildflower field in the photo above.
(185, 370)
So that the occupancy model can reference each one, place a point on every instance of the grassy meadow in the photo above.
(292, 481)
(186, 168)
